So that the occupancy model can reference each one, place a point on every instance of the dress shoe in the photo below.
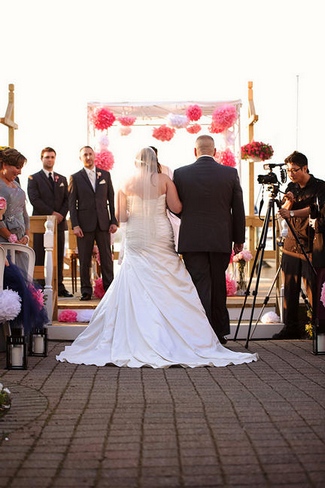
(287, 333)
(85, 297)
(223, 340)
(65, 294)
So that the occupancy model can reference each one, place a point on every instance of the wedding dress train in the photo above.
(151, 315)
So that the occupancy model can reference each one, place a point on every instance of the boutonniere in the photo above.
(56, 178)
(98, 174)
(102, 182)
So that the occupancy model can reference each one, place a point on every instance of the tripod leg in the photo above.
(266, 300)
(260, 249)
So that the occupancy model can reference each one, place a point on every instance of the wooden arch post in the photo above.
(8, 119)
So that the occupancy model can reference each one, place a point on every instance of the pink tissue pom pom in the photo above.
(125, 131)
(68, 316)
(104, 160)
(194, 112)
(227, 158)
(99, 291)
(223, 117)
(194, 129)
(126, 121)
(163, 133)
(38, 295)
(231, 285)
(103, 119)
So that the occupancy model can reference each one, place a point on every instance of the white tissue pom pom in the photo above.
(85, 315)
(269, 318)
(177, 121)
(102, 141)
(10, 305)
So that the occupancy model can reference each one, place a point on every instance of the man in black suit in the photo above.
(212, 218)
(48, 194)
(92, 213)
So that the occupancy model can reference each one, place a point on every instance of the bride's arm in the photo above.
(122, 213)
(173, 202)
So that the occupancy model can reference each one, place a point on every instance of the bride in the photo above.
(151, 314)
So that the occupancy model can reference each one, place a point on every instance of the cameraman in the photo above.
(304, 199)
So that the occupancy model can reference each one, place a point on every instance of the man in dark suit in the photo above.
(48, 194)
(92, 213)
(212, 218)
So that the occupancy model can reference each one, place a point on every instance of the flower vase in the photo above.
(241, 279)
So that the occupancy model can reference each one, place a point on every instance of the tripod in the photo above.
(258, 261)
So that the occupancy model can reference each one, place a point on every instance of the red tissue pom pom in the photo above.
(226, 157)
(68, 316)
(163, 133)
(99, 291)
(103, 119)
(194, 129)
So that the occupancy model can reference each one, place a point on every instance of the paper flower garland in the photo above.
(67, 316)
(104, 160)
(126, 120)
(163, 133)
(193, 129)
(73, 316)
(10, 305)
(194, 112)
(226, 158)
(177, 121)
(103, 119)
(222, 118)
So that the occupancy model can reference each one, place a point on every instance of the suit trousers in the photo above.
(296, 271)
(208, 273)
(85, 251)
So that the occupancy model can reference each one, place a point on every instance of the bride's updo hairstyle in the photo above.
(147, 159)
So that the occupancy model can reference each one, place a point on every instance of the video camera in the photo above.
(271, 178)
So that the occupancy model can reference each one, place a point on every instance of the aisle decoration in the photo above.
(163, 133)
(99, 291)
(72, 316)
(241, 259)
(231, 285)
(103, 118)
(270, 318)
(257, 151)
(194, 112)
(5, 400)
(222, 118)
(10, 305)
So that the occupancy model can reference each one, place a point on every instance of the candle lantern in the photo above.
(38, 342)
(318, 339)
(16, 352)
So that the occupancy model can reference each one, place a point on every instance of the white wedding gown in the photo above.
(151, 315)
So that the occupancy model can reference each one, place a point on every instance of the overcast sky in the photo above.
(61, 55)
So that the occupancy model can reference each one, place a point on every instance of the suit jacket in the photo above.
(89, 208)
(44, 200)
(213, 214)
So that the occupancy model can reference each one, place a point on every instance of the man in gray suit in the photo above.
(212, 218)
(92, 214)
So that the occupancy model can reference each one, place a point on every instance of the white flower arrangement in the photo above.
(5, 399)
(10, 305)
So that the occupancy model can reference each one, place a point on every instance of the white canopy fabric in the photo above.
(147, 113)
